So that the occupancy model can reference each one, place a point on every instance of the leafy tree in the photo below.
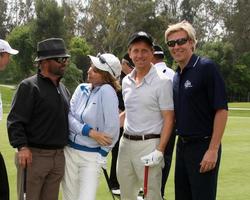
(107, 24)
(20, 38)
(205, 17)
(49, 21)
(70, 18)
(79, 49)
(21, 12)
(188, 12)
(72, 77)
(237, 22)
(3, 18)
(236, 74)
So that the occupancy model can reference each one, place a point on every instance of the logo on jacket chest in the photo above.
(188, 84)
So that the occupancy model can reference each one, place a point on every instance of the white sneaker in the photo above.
(139, 198)
(116, 192)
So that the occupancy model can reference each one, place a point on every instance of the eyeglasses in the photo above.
(181, 41)
(61, 60)
(103, 61)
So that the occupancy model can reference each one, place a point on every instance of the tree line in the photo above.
(92, 26)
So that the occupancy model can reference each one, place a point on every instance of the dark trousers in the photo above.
(113, 178)
(190, 184)
(168, 160)
(4, 184)
(43, 175)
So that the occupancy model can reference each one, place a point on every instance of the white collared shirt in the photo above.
(144, 102)
(162, 67)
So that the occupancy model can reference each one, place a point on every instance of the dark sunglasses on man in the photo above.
(60, 60)
(181, 41)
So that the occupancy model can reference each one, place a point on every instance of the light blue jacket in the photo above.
(97, 109)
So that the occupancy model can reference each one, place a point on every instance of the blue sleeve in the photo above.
(215, 87)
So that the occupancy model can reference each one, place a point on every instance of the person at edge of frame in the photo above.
(148, 121)
(201, 114)
(38, 124)
(127, 67)
(160, 65)
(5, 52)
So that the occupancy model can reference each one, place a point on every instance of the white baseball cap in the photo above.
(107, 62)
(5, 47)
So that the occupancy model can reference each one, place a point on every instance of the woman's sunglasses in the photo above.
(103, 61)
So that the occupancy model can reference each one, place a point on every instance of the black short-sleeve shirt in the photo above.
(199, 91)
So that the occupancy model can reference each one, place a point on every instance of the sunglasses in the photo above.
(103, 61)
(61, 60)
(127, 63)
(181, 41)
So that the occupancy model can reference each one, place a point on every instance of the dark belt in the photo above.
(141, 137)
(189, 139)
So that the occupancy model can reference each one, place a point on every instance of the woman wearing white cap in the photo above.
(94, 128)
(5, 51)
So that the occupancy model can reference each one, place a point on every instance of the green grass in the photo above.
(239, 105)
(6, 94)
(234, 173)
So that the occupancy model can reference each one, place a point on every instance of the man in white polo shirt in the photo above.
(160, 65)
(148, 121)
(5, 52)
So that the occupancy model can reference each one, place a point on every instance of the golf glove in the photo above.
(153, 158)
(102, 161)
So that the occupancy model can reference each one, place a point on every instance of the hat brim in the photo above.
(13, 52)
(158, 53)
(53, 56)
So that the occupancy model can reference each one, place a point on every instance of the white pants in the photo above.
(130, 169)
(81, 176)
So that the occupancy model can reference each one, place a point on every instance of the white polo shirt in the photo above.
(162, 67)
(144, 103)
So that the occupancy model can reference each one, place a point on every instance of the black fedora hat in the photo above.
(51, 48)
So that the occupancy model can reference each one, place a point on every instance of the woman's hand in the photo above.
(102, 138)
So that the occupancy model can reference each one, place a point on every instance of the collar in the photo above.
(147, 78)
(160, 64)
(191, 64)
(39, 73)
(87, 89)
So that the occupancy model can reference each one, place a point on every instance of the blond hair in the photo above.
(185, 26)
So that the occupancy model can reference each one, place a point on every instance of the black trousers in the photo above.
(168, 160)
(190, 184)
(4, 184)
(113, 178)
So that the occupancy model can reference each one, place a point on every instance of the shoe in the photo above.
(116, 191)
(139, 198)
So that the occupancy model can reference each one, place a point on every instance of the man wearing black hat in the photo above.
(161, 66)
(5, 52)
(148, 121)
(38, 123)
